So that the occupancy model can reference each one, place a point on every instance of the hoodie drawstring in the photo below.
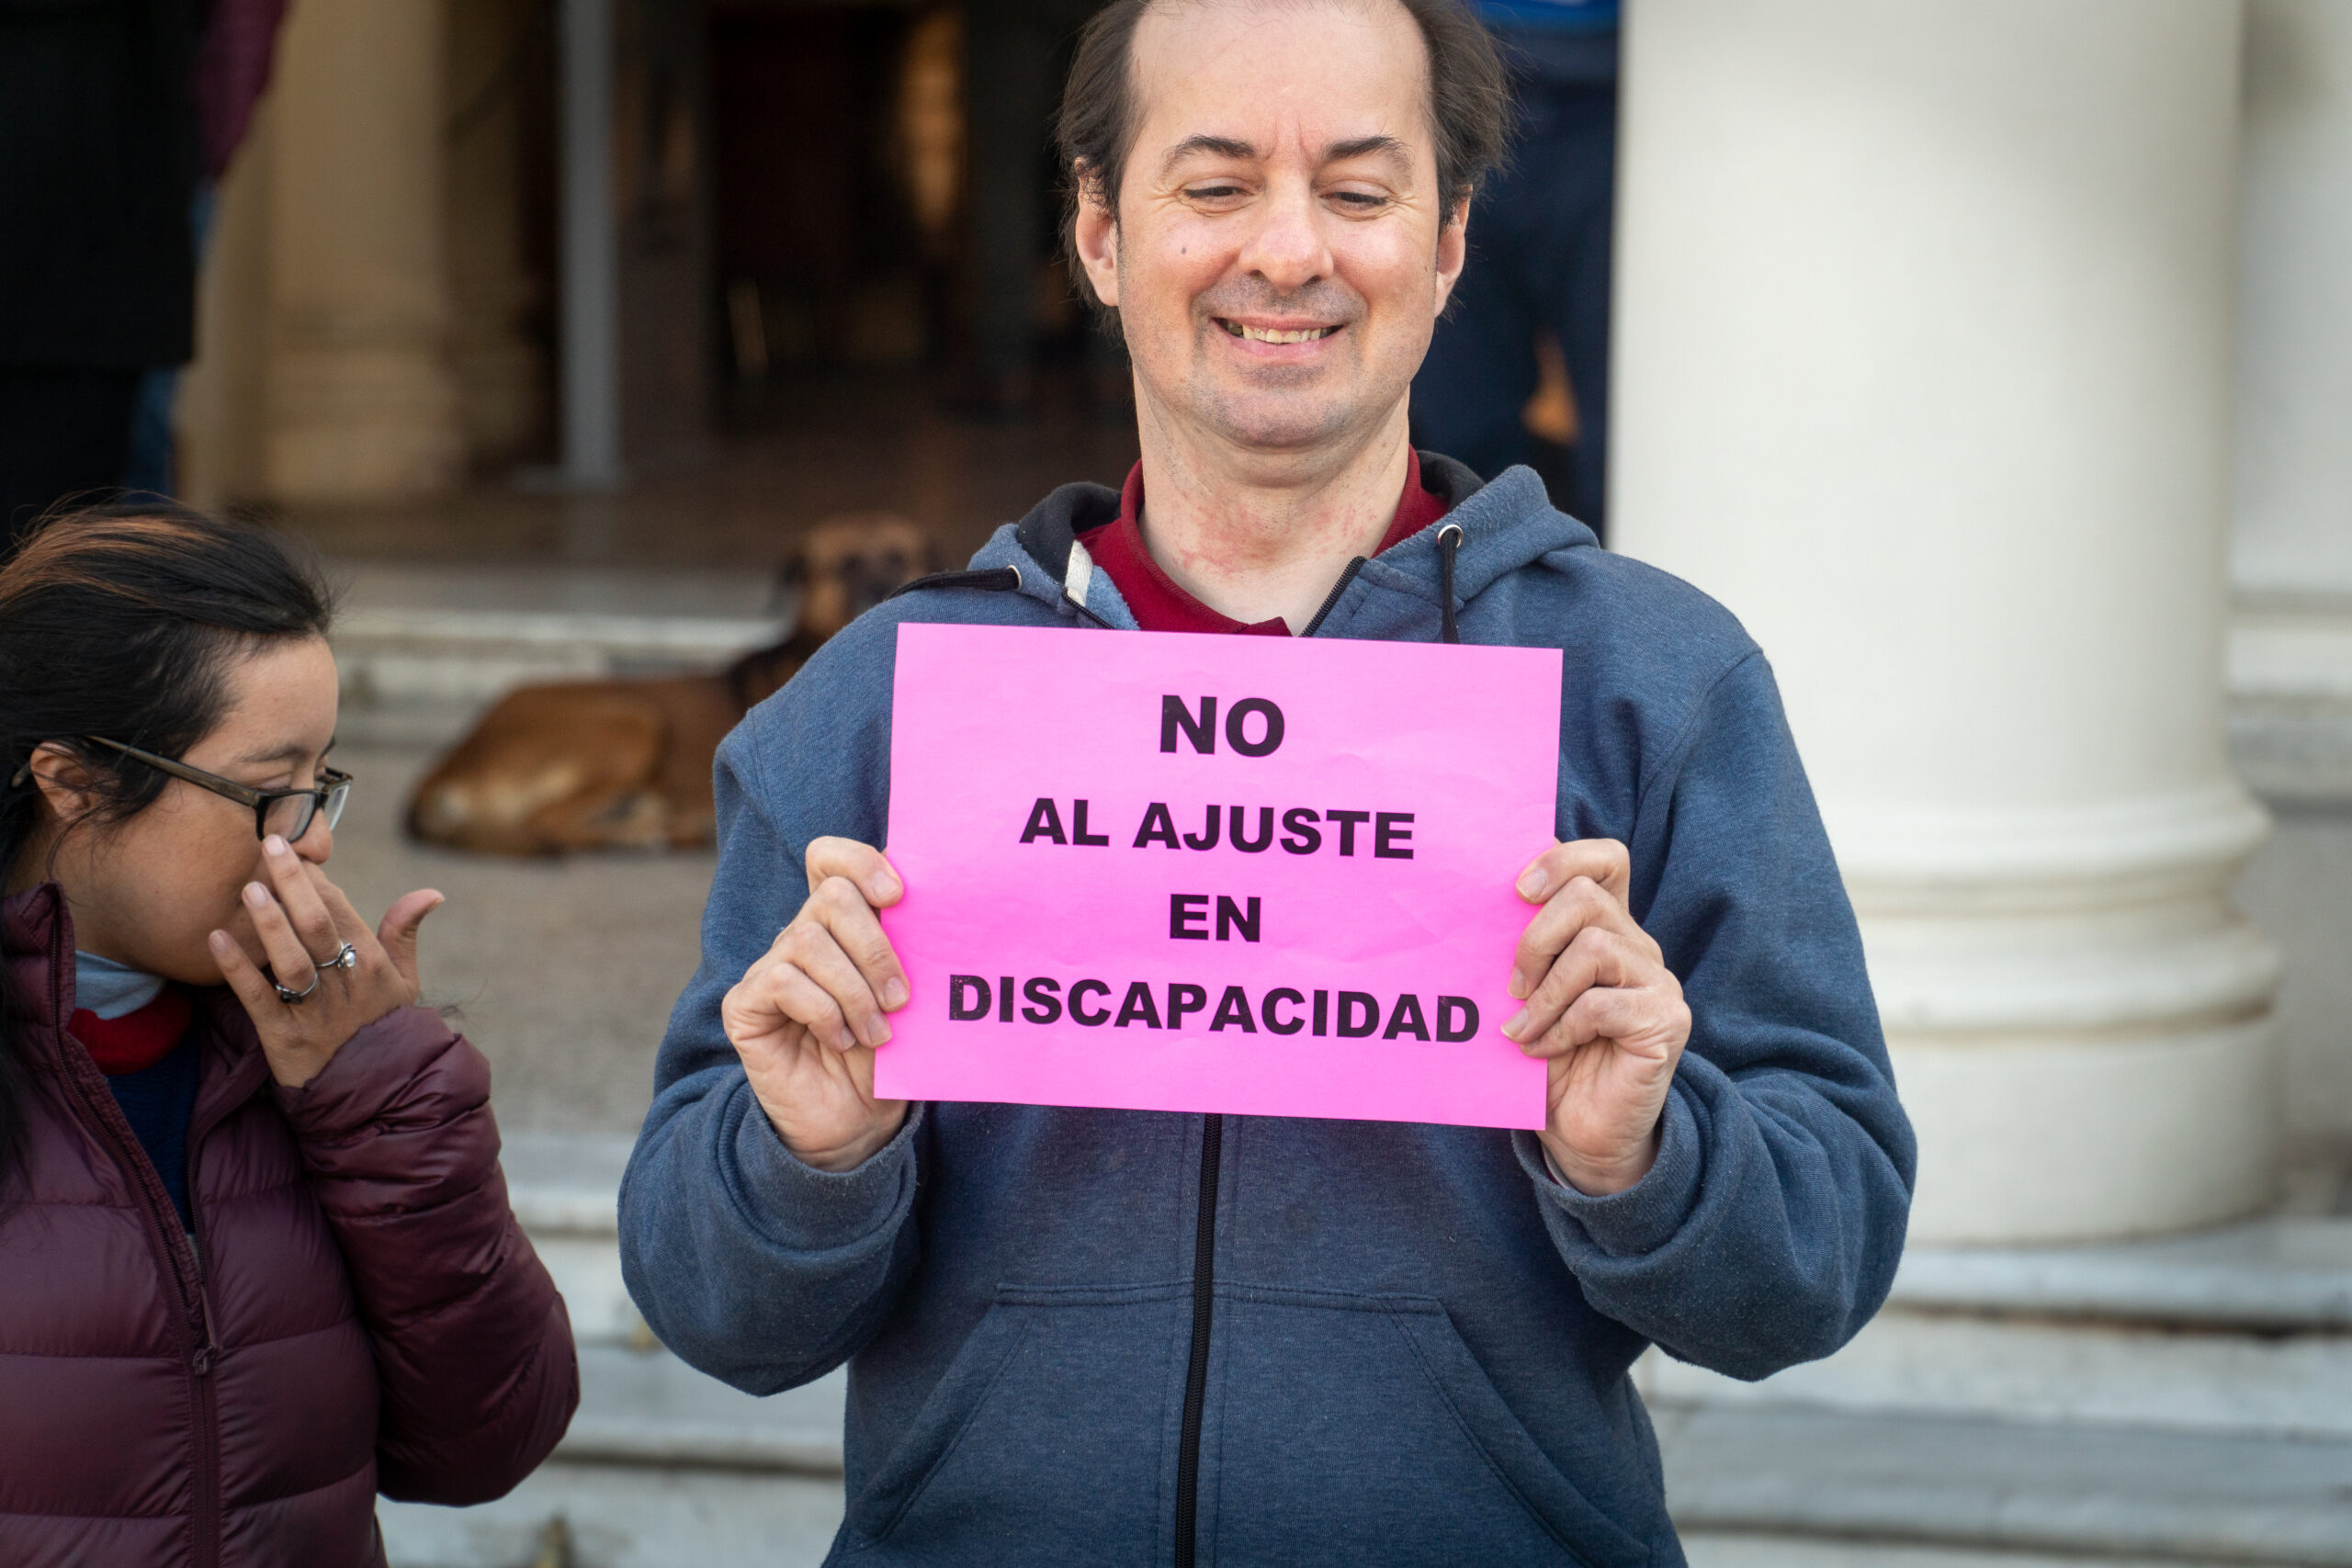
(1449, 542)
(992, 580)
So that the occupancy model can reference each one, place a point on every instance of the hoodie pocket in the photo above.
(1353, 1429)
(1045, 1440)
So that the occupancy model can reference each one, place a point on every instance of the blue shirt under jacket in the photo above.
(1414, 1342)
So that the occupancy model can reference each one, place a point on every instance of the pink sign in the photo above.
(1164, 872)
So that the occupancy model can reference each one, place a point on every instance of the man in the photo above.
(1543, 256)
(1082, 1337)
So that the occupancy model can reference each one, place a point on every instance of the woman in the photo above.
(257, 1262)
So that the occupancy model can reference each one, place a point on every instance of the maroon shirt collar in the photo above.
(1160, 605)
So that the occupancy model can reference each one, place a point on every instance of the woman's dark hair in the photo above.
(124, 621)
(1469, 109)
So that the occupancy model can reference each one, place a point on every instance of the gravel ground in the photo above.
(563, 971)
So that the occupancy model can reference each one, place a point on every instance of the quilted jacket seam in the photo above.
(376, 1212)
(273, 1500)
(175, 1516)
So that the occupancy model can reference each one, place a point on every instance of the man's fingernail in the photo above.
(256, 895)
(219, 939)
(894, 993)
(1518, 986)
(1530, 884)
(1518, 1022)
(881, 1032)
(273, 844)
(886, 886)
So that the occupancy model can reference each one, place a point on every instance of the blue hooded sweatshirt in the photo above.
(1130, 1337)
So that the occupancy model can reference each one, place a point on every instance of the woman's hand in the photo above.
(1604, 1011)
(807, 1015)
(303, 920)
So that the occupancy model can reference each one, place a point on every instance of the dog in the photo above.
(626, 763)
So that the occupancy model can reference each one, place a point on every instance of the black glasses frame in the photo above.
(328, 795)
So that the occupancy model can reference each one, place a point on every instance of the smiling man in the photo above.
(1091, 1337)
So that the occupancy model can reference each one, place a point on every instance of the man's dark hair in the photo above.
(1469, 107)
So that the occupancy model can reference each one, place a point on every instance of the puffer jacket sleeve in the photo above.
(473, 1346)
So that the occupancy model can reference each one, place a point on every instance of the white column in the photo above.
(2291, 552)
(1923, 367)
(361, 404)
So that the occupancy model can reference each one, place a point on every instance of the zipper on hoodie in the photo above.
(1332, 598)
(1196, 1366)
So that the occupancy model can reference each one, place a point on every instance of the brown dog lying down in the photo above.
(625, 763)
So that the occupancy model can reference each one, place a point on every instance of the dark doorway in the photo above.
(823, 259)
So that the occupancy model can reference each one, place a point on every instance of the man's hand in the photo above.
(805, 1017)
(1603, 1008)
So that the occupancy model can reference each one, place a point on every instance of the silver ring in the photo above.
(346, 957)
(292, 998)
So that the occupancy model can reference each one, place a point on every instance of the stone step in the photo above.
(2243, 1328)
(421, 647)
(662, 1465)
(605, 1515)
(2290, 674)
(2081, 1493)
(565, 1187)
(2285, 1274)
(1959, 1365)
(1712, 1549)
(647, 1407)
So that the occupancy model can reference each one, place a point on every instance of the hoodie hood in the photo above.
(1506, 524)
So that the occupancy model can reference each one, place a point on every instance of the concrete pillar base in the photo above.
(2080, 1021)
(2041, 1141)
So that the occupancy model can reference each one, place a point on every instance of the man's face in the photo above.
(1279, 253)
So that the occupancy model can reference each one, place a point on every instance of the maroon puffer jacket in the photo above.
(366, 1315)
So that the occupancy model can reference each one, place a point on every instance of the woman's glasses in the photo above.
(285, 812)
